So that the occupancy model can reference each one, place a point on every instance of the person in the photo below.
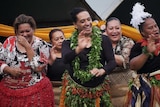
(90, 58)
(0, 47)
(144, 60)
(23, 60)
(122, 45)
(57, 67)
(0, 44)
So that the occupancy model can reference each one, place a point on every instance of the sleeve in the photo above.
(135, 51)
(126, 48)
(68, 54)
(41, 54)
(108, 54)
(5, 50)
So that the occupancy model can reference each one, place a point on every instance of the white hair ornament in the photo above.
(138, 15)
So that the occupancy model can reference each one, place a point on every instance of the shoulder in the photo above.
(10, 39)
(125, 40)
(40, 41)
(105, 37)
(67, 41)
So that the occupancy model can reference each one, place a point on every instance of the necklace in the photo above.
(144, 44)
(93, 55)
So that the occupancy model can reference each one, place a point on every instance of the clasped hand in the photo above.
(97, 72)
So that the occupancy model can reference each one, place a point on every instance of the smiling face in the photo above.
(150, 27)
(56, 39)
(26, 31)
(113, 30)
(84, 22)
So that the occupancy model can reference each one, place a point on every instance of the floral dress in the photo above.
(35, 86)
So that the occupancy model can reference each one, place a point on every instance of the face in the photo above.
(57, 39)
(26, 31)
(150, 27)
(113, 30)
(84, 22)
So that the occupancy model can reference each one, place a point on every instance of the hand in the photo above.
(52, 56)
(83, 41)
(40, 68)
(13, 71)
(97, 72)
(22, 41)
(151, 47)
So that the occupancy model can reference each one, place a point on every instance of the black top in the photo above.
(56, 71)
(151, 65)
(107, 60)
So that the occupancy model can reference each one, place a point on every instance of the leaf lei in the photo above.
(93, 55)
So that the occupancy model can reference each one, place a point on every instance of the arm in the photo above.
(137, 57)
(123, 59)
(40, 60)
(68, 54)
(109, 55)
(137, 62)
(6, 50)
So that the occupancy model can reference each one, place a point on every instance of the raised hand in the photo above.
(23, 41)
(52, 56)
(83, 41)
(151, 47)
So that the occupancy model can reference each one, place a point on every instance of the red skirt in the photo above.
(38, 95)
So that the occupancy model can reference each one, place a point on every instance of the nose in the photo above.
(87, 22)
(61, 40)
(114, 30)
(24, 34)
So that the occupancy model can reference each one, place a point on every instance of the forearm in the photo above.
(119, 59)
(6, 69)
(30, 52)
(137, 62)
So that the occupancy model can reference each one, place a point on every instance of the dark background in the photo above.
(51, 13)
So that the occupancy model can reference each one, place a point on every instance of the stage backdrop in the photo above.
(127, 31)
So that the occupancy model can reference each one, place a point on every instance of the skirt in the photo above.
(38, 95)
(75, 95)
(144, 91)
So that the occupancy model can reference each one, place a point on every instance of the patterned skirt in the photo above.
(75, 95)
(144, 91)
(38, 95)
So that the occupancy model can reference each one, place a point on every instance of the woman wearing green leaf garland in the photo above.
(91, 58)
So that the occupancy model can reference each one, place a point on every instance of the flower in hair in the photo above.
(138, 15)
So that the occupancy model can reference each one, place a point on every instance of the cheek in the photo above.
(54, 43)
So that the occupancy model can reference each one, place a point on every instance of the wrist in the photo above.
(78, 50)
(103, 71)
(146, 52)
(4, 69)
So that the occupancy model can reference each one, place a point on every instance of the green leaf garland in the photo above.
(93, 55)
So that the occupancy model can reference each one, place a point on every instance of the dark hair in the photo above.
(141, 24)
(22, 18)
(75, 11)
(53, 31)
(110, 19)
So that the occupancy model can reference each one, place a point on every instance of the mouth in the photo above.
(157, 34)
(87, 28)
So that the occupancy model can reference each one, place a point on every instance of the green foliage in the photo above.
(93, 55)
